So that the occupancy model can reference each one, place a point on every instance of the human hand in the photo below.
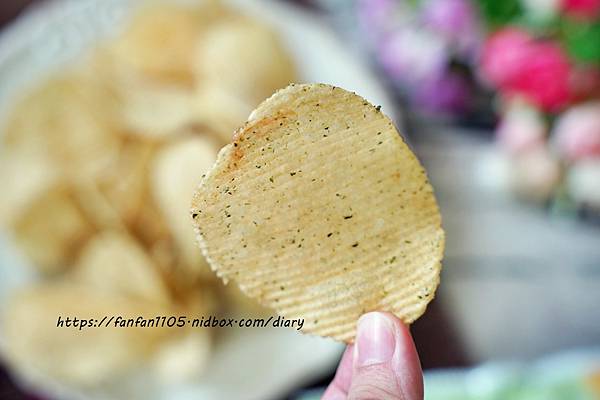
(382, 364)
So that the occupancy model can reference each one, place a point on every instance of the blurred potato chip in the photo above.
(245, 58)
(86, 357)
(96, 206)
(220, 111)
(72, 119)
(116, 263)
(157, 110)
(125, 185)
(183, 358)
(320, 211)
(25, 176)
(99, 163)
(159, 39)
(52, 230)
(175, 175)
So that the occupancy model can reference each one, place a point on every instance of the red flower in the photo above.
(544, 77)
(584, 9)
(519, 65)
(504, 54)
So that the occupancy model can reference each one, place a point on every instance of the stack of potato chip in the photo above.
(99, 163)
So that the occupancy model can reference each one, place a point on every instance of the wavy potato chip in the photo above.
(320, 211)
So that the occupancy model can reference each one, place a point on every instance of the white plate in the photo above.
(251, 364)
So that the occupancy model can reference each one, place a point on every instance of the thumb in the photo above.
(385, 362)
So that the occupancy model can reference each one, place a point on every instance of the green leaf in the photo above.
(500, 12)
(582, 40)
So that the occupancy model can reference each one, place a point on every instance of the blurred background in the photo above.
(102, 103)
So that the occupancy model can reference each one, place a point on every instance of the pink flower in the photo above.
(521, 129)
(584, 9)
(577, 132)
(544, 78)
(503, 56)
(519, 65)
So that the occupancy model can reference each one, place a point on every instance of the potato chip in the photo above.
(72, 120)
(245, 58)
(160, 38)
(175, 174)
(116, 263)
(220, 111)
(88, 356)
(52, 230)
(184, 358)
(25, 175)
(320, 210)
(96, 206)
(157, 110)
(151, 229)
(125, 184)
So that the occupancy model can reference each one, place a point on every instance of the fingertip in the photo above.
(404, 362)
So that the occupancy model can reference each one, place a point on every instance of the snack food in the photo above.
(86, 356)
(173, 185)
(115, 263)
(98, 162)
(320, 211)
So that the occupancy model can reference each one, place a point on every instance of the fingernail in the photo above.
(375, 341)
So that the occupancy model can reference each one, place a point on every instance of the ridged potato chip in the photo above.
(320, 211)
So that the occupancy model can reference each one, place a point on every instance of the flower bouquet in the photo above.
(536, 61)
(543, 59)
